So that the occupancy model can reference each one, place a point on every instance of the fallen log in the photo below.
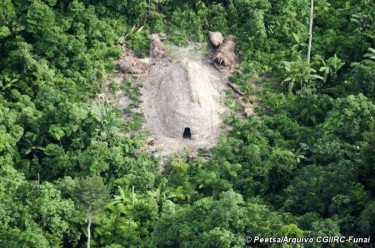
(130, 64)
(235, 88)
(134, 66)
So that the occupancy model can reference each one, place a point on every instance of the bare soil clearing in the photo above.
(182, 99)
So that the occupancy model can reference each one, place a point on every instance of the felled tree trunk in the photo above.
(156, 47)
(216, 38)
(134, 66)
(224, 55)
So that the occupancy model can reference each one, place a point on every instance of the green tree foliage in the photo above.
(227, 221)
(33, 215)
(366, 219)
(91, 196)
(364, 77)
(300, 75)
(127, 219)
(350, 117)
(325, 190)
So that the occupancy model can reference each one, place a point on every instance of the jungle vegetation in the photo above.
(304, 167)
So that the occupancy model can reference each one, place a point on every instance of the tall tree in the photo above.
(91, 195)
(310, 31)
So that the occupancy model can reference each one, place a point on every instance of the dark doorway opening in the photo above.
(187, 133)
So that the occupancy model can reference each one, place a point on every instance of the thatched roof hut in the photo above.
(187, 102)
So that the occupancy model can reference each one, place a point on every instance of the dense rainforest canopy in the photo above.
(303, 167)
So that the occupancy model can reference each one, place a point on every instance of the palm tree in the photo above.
(300, 75)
